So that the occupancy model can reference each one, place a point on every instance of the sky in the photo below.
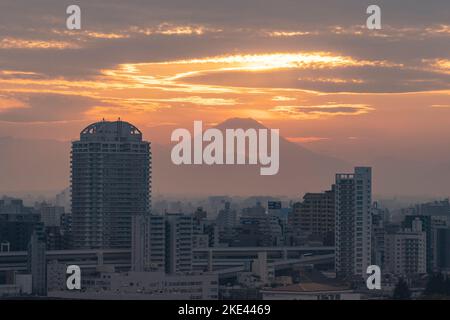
(310, 68)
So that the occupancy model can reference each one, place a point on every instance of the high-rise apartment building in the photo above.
(149, 243)
(353, 222)
(110, 183)
(179, 231)
(163, 243)
(427, 228)
(314, 217)
(405, 251)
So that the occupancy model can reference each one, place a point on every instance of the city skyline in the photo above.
(314, 71)
(128, 250)
(238, 151)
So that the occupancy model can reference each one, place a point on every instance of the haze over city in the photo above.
(231, 153)
(341, 95)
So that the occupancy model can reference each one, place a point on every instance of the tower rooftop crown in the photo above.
(111, 131)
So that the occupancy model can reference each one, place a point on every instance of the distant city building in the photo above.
(226, 218)
(353, 223)
(314, 217)
(149, 243)
(310, 291)
(66, 229)
(426, 225)
(56, 276)
(215, 202)
(17, 223)
(380, 222)
(275, 208)
(13, 206)
(5, 246)
(62, 199)
(204, 232)
(110, 183)
(255, 211)
(146, 285)
(55, 239)
(51, 215)
(179, 230)
(405, 251)
(442, 249)
(436, 208)
(37, 262)
(258, 231)
(164, 243)
(200, 214)
(226, 222)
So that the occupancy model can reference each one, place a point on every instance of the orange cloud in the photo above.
(17, 43)
(322, 111)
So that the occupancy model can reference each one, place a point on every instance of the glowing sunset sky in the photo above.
(310, 68)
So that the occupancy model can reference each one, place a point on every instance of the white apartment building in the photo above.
(405, 251)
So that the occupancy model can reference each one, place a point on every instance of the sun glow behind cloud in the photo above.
(255, 62)
(143, 89)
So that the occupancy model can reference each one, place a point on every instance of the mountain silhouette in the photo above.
(42, 165)
(300, 171)
(28, 165)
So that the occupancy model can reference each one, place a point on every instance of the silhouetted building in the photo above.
(37, 262)
(442, 249)
(55, 239)
(353, 223)
(314, 217)
(200, 214)
(256, 211)
(257, 231)
(51, 215)
(111, 180)
(17, 223)
(380, 223)
(227, 217)
(149, 243)
(178, 243)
